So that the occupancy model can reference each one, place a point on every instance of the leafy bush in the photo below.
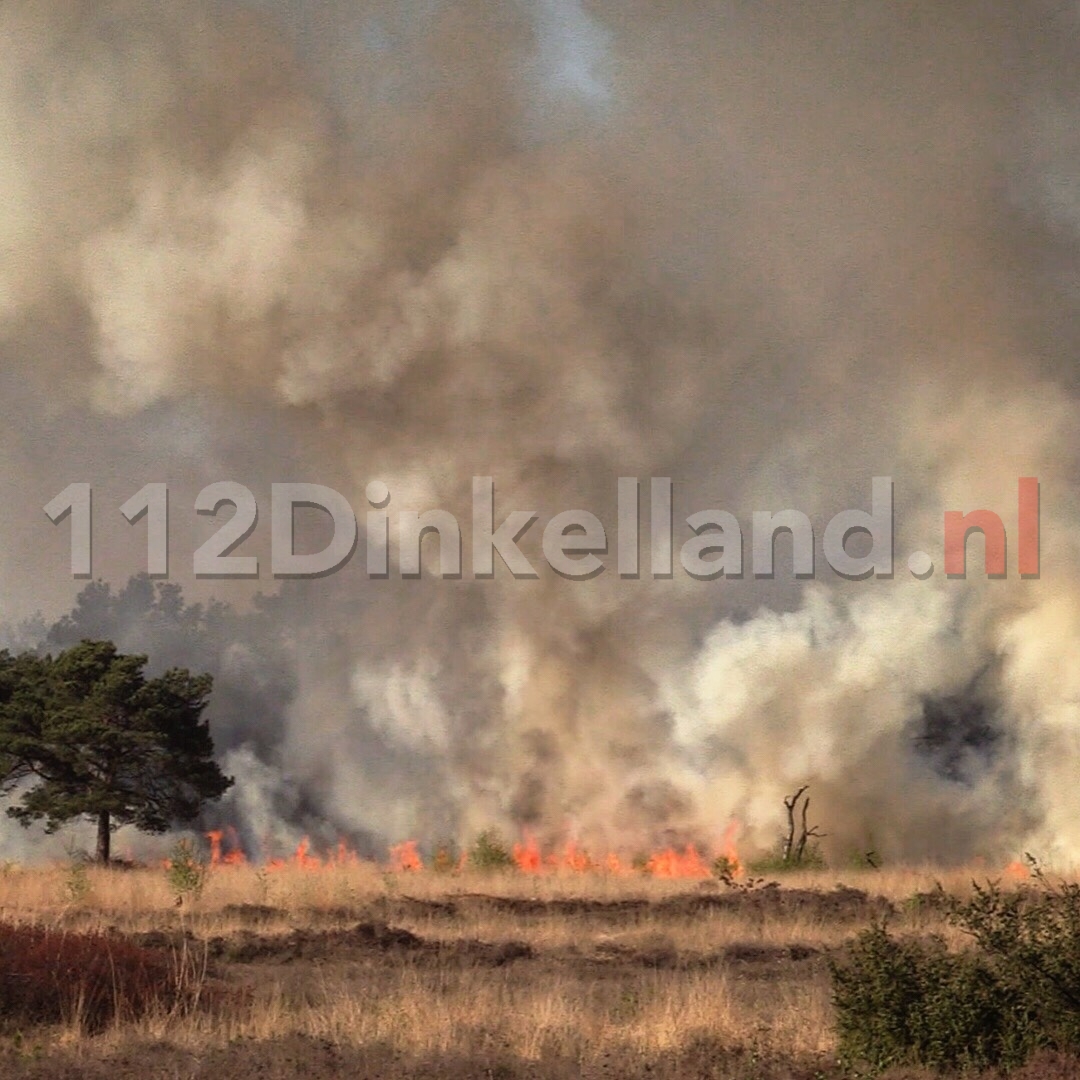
(1016, 991)
(489, 852)
(912, 1003)
(50, 977)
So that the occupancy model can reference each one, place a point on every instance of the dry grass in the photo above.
(422, 1016)
(603, 968)
(137, 899)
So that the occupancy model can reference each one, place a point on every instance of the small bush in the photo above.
(50, 977)
(186, 872)
(489, 852)
(775, 863)
(724, 867)
(76, 882)
(864, 860)
(1016, 991)
(912, 1003)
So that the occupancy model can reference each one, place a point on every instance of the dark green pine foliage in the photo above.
(85, 733)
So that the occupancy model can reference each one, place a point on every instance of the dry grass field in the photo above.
(352, 971)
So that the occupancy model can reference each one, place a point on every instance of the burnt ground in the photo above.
(373, 934)
(374, 931)
(839, 904)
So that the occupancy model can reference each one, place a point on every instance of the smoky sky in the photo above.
(768, 252)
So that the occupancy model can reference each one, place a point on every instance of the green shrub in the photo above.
(185, 872)
(775, 863)
(864, 860)
(1015, 991)
(489, 852)
(913, 1003)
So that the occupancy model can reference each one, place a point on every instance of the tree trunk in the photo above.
(104, 837)
(790, 803)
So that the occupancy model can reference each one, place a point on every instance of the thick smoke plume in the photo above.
(769, 251)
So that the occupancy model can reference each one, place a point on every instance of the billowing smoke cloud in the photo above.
(768, 253)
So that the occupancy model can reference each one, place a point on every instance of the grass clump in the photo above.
(77, 882)
(447, 858)
(91, 980)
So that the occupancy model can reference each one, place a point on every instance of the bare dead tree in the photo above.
(789, 804)
(795, 850)
(807, 833)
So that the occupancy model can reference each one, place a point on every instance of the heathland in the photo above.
(351, 969)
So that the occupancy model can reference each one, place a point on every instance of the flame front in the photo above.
(225, 850)
(673, 864)
(527, 856)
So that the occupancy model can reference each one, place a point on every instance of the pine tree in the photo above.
(87, 734)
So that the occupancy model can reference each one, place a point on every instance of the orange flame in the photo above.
(214, 836)
(614, 865)
(404, 856)
(730, 852)
(528, 857)
(234, 856)
(571, 858)
(225, 850)
(669, 863)
(673, 864)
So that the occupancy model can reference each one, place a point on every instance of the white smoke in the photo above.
(770, 254)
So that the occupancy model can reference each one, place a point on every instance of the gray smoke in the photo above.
(768, 253)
